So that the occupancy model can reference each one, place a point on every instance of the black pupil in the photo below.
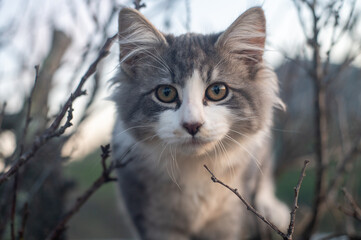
(166, 91)
(216, 89)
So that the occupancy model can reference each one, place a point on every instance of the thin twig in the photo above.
(355, 210)
(291, 227)
(302, 23)
(249, 207)
(346, 27)
(22, 145)
(53, 130)
(138, 4)
(13, 206)
(335, 181)
(28, 111)
(23, 221)
(321, 78)
(92, 44)
(320, 124)
(104, 178)
(2, 114)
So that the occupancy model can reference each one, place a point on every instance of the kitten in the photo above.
(191, 100)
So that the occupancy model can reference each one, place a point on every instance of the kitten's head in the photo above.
(194, 91)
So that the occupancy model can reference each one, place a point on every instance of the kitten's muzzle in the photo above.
(192, 128)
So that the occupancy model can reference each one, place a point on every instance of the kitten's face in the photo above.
(194, 92)
(198, 119)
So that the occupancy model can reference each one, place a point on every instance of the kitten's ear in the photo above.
(136, 35)
(245, 38)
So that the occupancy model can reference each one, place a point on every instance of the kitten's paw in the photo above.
(274, 210)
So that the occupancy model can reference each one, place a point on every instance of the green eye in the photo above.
(217, 92)
(166, 93)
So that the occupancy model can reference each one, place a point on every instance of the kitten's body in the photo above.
(167, 191)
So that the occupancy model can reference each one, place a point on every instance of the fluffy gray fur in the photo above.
(166, 190)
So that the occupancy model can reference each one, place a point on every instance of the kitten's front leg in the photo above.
(226, 226)
(270, 207)
(164, 234)
(155, 225)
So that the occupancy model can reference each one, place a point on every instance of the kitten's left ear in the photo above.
(136, 36)
(245, 38)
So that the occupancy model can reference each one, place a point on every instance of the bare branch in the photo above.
(90, 45)
(24, 219)
(349, 58)
(104, 178)
(138, 4)
(13, 206)
(2, 113)
(295, 203)
(16, 179)
(28, 111)
(335, 181)
(249, 207)
(291, 227)
(53, 130)
(355, 210)
(302, 23)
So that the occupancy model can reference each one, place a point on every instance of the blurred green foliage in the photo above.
(100, 217)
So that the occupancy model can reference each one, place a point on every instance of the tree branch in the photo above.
(2, 114)
(249, 206)
(53, 130)
(23, 137)
(13, 206)
(23, 222)
(335, 181)
(104, 178)
(138, 4)
(355, 210)
(291, 227)
(295, 202)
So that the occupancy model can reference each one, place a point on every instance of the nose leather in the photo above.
(192, 128)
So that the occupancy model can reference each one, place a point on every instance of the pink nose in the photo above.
(192, 128)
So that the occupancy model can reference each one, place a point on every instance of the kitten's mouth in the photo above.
(196, 146)
(196, 142)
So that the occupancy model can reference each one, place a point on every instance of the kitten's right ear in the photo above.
(136, 36)
(245, 38)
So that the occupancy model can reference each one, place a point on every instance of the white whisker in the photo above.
(134, 127)
(130, 149)
(243, 118)
(242, 134)
(247, 151)
(161, 153)
(173, 171)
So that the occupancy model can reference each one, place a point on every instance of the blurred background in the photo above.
(314, 46)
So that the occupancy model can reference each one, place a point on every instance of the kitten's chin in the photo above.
(195, 147)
